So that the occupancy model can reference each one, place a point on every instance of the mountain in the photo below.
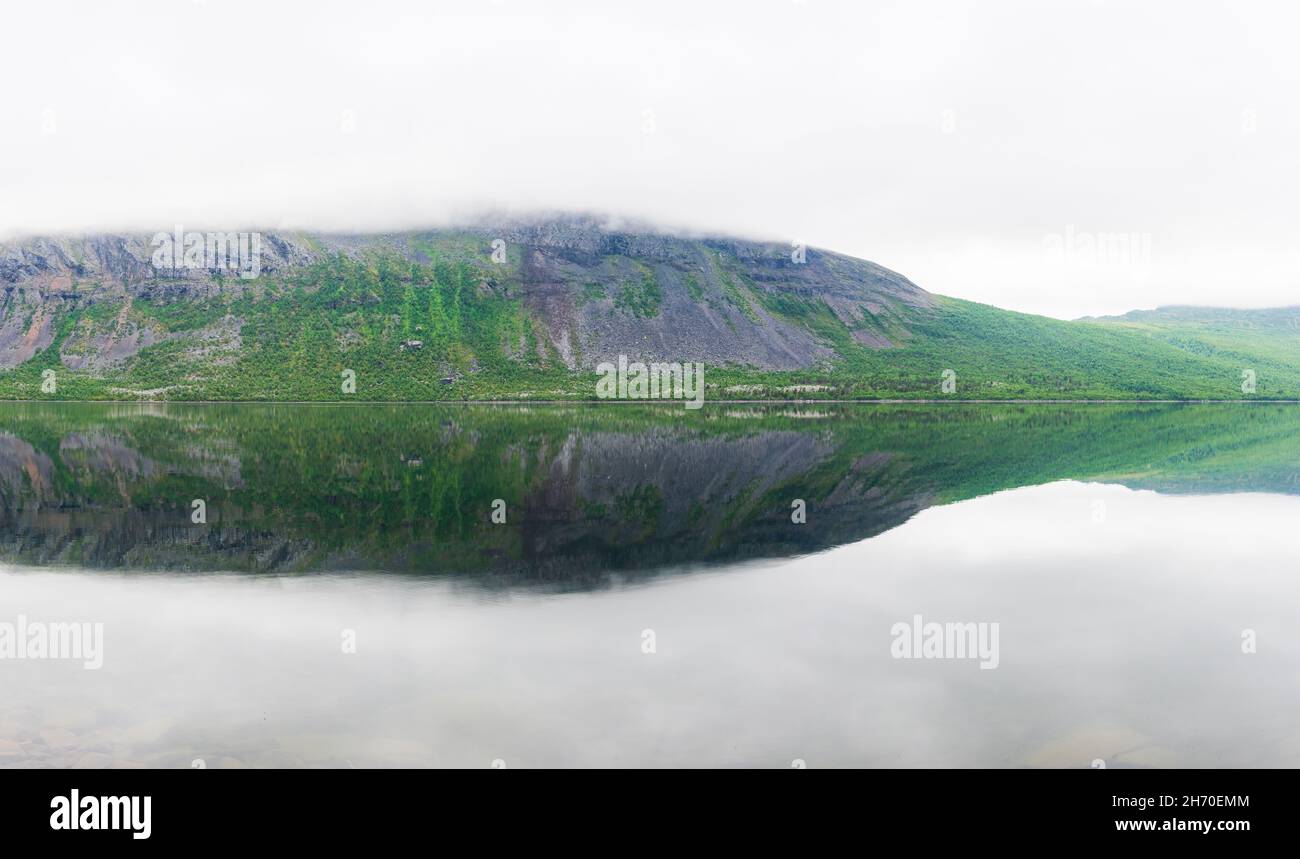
(528, 309)
(1271, 334)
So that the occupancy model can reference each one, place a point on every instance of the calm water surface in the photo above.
(1123, 551)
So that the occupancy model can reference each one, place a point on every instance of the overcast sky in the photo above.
(1067, 158)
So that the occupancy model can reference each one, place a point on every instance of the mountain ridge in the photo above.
(1199, 312)
(527, 308)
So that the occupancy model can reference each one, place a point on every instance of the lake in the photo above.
(623, 585)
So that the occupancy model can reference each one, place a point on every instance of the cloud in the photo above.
(948, 140)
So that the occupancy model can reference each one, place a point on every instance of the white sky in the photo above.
(959, 143)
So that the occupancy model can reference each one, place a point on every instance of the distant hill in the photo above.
(528, 309)
(1264, 340)
(1280, 319)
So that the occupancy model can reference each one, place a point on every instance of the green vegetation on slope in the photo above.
(451, 325)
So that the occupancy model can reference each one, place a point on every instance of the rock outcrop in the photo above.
(594, 291)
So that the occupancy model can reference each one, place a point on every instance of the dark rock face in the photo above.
(26, 326)
(97, 347)
(597, 291)
(711, 290)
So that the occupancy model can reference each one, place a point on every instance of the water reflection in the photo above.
(591, 494)
(1124, 551)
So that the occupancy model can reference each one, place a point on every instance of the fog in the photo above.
(1065, 158)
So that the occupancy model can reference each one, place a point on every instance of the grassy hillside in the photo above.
(433, 317)
(1267, 341)
(999, 354)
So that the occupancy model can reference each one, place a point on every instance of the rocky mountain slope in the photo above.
(529, 308)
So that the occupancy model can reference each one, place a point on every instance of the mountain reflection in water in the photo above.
(591, 494)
